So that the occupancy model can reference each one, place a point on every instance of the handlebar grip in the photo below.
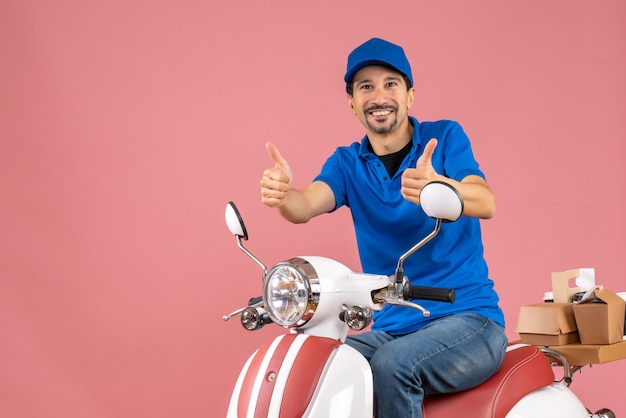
(428, 293)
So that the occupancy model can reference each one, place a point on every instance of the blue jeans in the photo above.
(451, 354)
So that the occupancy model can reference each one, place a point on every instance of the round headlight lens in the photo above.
(286, 293)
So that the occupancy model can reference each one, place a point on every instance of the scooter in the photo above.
(310, 372)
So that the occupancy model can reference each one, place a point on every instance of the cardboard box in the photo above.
(580, 355)
(600, 318)
(547, 324)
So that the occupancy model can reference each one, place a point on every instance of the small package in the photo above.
(600, 317)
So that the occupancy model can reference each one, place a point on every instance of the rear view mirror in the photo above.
(440, 200)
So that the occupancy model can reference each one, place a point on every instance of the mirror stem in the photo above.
(249, 254)
(399, 269)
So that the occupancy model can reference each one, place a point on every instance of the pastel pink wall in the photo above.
(125, 127)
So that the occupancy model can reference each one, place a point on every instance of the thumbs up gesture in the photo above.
(414, 179)
(276, 181)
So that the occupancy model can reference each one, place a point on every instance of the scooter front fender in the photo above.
(298, 375)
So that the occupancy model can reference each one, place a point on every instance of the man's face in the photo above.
(380, 98)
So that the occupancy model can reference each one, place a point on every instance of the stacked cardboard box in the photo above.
(591, 331)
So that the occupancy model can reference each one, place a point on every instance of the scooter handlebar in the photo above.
(428, 293)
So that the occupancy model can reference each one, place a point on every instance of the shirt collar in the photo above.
(364, 149)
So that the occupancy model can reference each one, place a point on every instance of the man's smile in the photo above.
(380, 112)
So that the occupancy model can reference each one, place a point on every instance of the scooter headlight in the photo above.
(287, 293)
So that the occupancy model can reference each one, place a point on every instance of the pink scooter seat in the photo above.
(523, 370)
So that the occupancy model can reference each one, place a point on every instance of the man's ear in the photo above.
(351, 103)
(410, 97)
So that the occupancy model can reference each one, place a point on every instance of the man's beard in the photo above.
(382, 130)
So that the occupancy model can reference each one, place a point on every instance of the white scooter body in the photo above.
(311, 373)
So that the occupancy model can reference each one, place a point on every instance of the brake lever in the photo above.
(240, 310)
(387, 297)
(408, 304)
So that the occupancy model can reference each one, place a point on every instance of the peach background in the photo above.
(125, 127)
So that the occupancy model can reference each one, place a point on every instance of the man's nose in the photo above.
(380, 98)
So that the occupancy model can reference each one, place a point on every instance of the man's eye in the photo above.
(366, 87)
(392, 84)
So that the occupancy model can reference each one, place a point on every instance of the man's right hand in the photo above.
(276, 181)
